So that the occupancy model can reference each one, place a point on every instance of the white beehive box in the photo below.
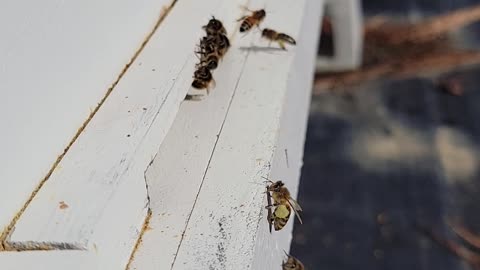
(192, 170)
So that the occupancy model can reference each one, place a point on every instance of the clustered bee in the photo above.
(292, 263)
(211, 50)
(255, 18)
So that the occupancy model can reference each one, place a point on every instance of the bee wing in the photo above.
(296, 207)
(214, 83)
(288, 39)
(193, 97)
(295, 204)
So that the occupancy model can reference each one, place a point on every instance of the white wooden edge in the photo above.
(347, 26)
(101, 178)
(46, 260)
(205, 183)
(58, 59)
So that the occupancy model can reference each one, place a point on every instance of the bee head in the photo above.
(259, 14)
(268, 32)
(214, 26)
(276, 186)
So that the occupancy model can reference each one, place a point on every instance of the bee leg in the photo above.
(282, 45)
(271, 206)
(270, 219)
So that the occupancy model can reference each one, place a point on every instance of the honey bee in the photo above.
(292, 263)
(214, 26)
(210, 61)
(214, 44)
(280, 38)
(202, 78)
(223, 44)
(254, 19)
(283, 203)
(212, 49)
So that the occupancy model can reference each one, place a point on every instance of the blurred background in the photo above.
(391, 175)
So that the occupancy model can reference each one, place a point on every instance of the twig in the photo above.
(396, 50)
(460, 251)
(465, 234)
(437, 25)
(435, 62)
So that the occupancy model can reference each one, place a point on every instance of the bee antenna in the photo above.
(268, 180)
(285, 253)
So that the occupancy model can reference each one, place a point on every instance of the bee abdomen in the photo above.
(280, 223)
(287, 38)
(198, 84)
(245, 26)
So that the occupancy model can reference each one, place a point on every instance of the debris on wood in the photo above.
(62, 205)
(399, 49)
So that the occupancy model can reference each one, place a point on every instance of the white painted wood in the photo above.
(220, 147)
(58, 59)
(101, 178)
(49, 260)
(269, 248)
(347, 26)
(177, 171)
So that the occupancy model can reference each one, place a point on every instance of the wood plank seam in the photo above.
(217, 250)
(215, 145)
(140, 237)
(4, 245)
(147, 218)
(211, 155)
